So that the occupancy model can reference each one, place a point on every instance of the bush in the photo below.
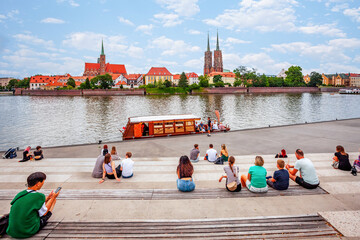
(219, 84)
(228, 84)
(194, 86)
(150, 85)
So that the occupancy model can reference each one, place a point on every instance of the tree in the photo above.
(204, 81)
(219, 84)
(217, 78)
(315, 79)
(12, 84)
(167, 83)
(183, 82)
(294, 77)
(276, 82)
(71, 82)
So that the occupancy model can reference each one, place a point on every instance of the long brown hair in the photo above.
(185, 168)
(340, 149)
(107, 158)
(231, 162)
(113, 150)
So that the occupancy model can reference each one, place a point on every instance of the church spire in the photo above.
(217, 40)
(102, 47)
(208, 45)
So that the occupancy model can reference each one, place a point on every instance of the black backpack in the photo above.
(11, 153)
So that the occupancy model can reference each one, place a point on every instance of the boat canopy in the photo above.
(162, 118)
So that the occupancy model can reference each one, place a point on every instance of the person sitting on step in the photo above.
(211, 154)
(280, 179)
(127, 166)
(341, 159)
(255, 181)
(224, 153)
(232, 176)
(308, 177)
(184, 171)
(38, 153)
(109, 169)
(27, 155)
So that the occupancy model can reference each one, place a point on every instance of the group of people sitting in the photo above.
(256, 180)
(105, 165)
(209, 127)
(37, 155)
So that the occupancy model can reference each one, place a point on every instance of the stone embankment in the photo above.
(141, 91)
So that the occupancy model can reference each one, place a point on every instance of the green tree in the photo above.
(167, 83)
(315, 79)
(219, 84)
(12, 84)
(217, 78)
(294, 77)
(183, 82)
(71, 82)
(194, 86)
(204, 81)
(276, 82)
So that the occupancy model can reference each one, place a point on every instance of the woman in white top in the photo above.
(232, 176)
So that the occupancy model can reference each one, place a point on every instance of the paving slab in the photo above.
(344, 221)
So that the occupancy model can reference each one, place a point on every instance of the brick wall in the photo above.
(85, 92)
(282, 89)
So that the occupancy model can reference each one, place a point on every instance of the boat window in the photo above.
(158, 128)
(179, 126)
(169, 127)
(190, 126)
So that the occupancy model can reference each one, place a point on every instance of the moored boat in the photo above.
(160, 126)
(349, 91)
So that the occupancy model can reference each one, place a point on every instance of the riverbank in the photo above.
(171, 91)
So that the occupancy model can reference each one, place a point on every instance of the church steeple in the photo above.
(217, 41)
(208, 45)
(102, 47)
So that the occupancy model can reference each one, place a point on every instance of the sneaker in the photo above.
(209, 135)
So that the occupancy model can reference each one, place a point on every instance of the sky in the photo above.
(59, 36)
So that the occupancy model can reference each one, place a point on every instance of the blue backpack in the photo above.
(11, 153)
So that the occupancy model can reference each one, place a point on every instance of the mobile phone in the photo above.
(58, 189)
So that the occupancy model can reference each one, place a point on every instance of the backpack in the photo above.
(10, 153)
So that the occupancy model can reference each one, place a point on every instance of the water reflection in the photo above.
(51, 121)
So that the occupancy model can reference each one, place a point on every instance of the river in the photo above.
(56, 121)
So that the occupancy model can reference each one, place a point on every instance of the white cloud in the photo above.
(168, 20)
(52, 20)
(194, 63)
(173, 47)
(10, 15)
(263, 15)
(338, 67)
(28, 38)
(325, 29)
(136, 52)
(236, 41)
(126, 21)
(186, 8)
(145, 28)
(354, 13)
(194, 32)
(71, 2)
(356, 58)
(9, 73)
(262, 62)
(339, 7)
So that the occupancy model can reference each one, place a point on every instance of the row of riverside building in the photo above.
(212, 68)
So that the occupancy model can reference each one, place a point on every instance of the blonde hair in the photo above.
(223, 147)
(259, 161)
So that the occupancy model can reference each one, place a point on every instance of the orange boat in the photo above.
(159, 126)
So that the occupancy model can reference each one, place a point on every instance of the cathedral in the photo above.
(208, 63)
(101, 67)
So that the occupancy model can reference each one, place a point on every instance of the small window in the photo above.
(169, 127)
(158, 128)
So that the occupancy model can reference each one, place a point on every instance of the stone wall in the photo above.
(224, 90)
(282, 89)
(112, 92)
(330, 89)
(78, 92)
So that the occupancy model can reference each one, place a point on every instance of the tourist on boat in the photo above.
(30, 209)
(38, 153)
(114, 154)
(224, 153)
(215, 125)
(127, 166)
(109, 169)
(144, 129)
(222, 127)
(308, 177)
(280, 179)
(195, 154)
(281, 154)
(232, 176)
(341, 159)
(27, 155)
(211, 154)
(255, 181)
(98, 168)
(105, 147)
(185, 170)
(201, 127)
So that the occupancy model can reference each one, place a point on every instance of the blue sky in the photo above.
(59, 36)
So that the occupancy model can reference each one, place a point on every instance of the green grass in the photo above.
(170, 90)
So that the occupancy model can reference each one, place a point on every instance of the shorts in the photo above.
(194, 161)
(304, 184)
(254, 189)
(185, 185)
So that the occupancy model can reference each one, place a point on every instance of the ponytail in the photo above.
(231, 162)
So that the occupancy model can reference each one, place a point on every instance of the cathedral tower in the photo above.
(208, 59)
(218, 63)
(102, 60)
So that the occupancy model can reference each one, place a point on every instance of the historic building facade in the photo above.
(101, 67)
(218, 62)
(157, 74)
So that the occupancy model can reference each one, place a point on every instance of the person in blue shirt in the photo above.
(280, 180)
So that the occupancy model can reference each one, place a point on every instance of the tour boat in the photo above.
(349, 91)
(160, 126)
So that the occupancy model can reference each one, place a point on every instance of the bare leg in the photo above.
(243, 180)
(292, 177)
(52, 205)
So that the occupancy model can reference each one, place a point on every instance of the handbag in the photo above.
(336, 164)
(232, 186)
(4, 220)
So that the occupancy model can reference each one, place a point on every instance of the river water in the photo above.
(56, 121)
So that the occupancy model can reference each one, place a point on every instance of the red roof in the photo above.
(56, 84)
(44, 79)
(176, 76)
(89, 66)
(191, 75)
(223, 74)
(109, 68)
(159, 71)
(354, 75)
(133, 76)
(121, 83)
